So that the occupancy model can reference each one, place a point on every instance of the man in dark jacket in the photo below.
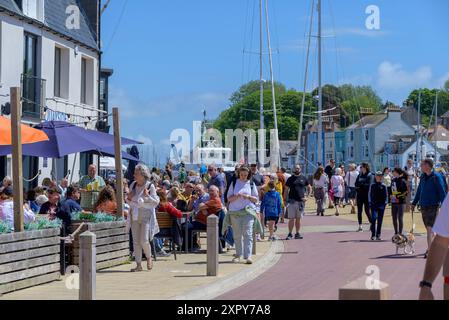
(362, 185)
(430, 195)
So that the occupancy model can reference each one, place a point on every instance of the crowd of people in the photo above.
(370, 193)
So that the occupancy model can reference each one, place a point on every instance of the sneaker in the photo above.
(258, 238)
(360, 229)
(249, 261)
(236, 260)
(163, 254)
(298, 237)
(373, 238)
(378, 238)
(289, 237)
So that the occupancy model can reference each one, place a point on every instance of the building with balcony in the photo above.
(50, 49)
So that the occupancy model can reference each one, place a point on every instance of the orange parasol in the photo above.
(29, 135)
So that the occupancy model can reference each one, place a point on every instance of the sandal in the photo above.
(150, 265)
(137, 269)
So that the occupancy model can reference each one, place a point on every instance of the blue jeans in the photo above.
(377, 217)
(243, 235)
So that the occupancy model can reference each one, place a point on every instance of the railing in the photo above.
(33, 95)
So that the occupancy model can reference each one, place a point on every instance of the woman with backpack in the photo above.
(320, 184)
(242, 216)
(362, 185)
(142, 200)
(338, 187)
(399, 192)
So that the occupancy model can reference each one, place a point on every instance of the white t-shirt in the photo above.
(322, 183)
(351, 178)
(243, 188)
(441, 226)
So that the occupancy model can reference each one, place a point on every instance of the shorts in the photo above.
(295, 210)
(429, 215)
(337, 200)
(275, 219)
(352, 194)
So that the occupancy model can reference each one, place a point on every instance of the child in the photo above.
(378, 199)
(271, 207)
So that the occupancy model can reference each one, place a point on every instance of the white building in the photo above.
(49, 48)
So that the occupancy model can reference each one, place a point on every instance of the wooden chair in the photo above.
(165, 222)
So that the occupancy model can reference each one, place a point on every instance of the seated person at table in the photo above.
(71, 204)
(199, 196)
(7, 182)
(166, 206)
(53, 209)
(7, 208)
(106, 202)
(211, 206)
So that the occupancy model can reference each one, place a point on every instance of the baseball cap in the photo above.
(379, 173)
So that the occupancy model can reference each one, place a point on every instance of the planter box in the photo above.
(28, 259)
(112, 243)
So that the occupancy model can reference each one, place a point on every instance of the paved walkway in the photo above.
(330, 256)
(168, 280)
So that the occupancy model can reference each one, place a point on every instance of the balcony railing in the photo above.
(33, 96)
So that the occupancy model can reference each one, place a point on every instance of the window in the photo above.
(32, 8)
(351, 136)
(83, 81)
(57, 79)
(31, 85)
(367, 135)
(61, 73)
(366, 152)
(351, 152)
(87, 81)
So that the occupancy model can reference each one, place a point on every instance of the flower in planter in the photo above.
(5, 227)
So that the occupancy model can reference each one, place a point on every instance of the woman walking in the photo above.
(338, 186)
(243, 197)
(350, 179)
(398, 197)
(143, 200)
(362, 185)
(320, 183)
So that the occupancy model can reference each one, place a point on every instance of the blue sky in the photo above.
(174, 58)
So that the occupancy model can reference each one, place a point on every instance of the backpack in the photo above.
(233, 183)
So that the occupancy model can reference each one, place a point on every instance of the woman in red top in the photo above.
(166, 206)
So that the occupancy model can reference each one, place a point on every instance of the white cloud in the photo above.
(394, 76)
(361, 32)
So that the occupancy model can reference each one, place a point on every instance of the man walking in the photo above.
(216, 179)
(438, 256)
(429, 195)
(295, 191)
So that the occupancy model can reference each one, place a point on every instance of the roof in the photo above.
(370, 121)
(55, 20)
(440, 134)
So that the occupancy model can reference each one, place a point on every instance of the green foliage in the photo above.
(94, 218)
(244, 112)
(446, 86)
(428, 99)
(39, 224)
(5, 227)
(42, 224)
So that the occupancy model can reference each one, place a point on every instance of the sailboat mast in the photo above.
(273, 92)
(418, 133)
(262, 120)
(303, 103)
(436, 126)
(320, 92)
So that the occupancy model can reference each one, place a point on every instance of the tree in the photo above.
(446, 86)
(252, 87)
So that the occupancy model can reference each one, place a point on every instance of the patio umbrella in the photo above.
(29, 135)
(66, 138)
(110, 152)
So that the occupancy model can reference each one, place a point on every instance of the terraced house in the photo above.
(50, 49)
(366, 138)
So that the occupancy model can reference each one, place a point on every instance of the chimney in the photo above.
(91, 10)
